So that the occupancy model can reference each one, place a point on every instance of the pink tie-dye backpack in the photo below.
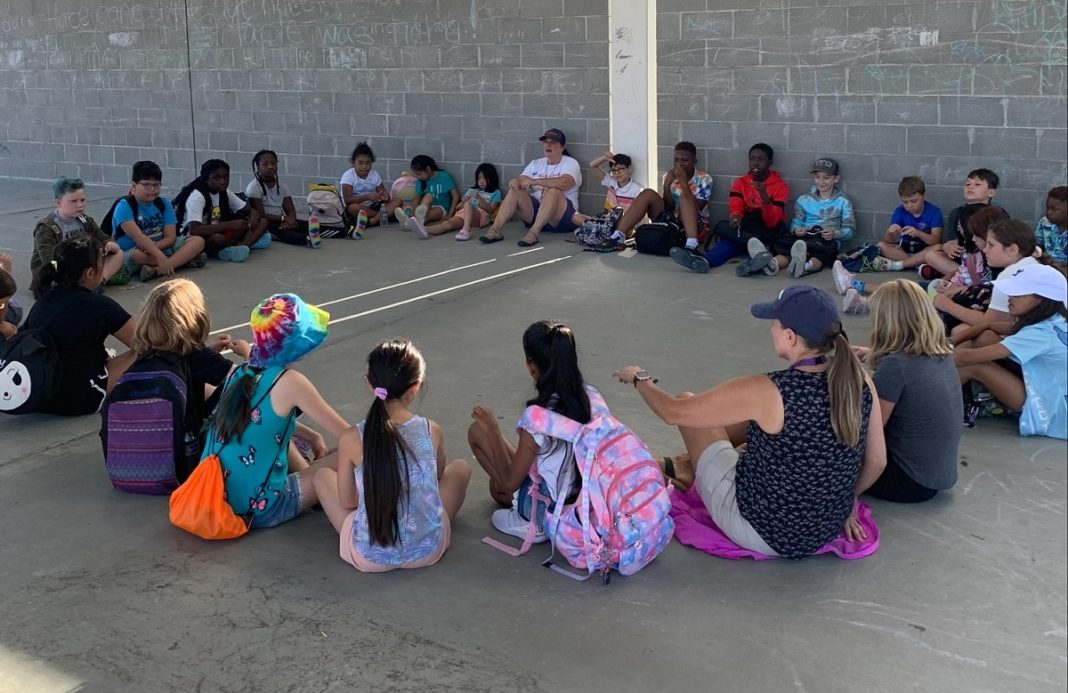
(620, 520)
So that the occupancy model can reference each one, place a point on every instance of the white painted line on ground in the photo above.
(374, 291)
(524, 252)
(447, 290)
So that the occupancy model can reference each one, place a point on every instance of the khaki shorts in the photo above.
(714, 481)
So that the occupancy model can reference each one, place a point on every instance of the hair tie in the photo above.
(381, 393)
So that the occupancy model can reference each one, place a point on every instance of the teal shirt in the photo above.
(439, 185)
(259, 453)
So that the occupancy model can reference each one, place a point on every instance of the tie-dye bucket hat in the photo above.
(285, 329)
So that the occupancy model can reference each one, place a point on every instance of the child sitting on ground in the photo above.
(437, 195)
(174, 322)
(148, 236)
(915, 225)
(362, 189)
(269, 197)
(69, 219)
(229, 226)
(1028, 369)
(251, 430)
(552, 361)
(621, 189)
(823, 218)
(980, 187)
(1051, 233)
(393, 497)
(477, 206)
(10, 310)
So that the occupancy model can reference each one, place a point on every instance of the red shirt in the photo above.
(744, 198)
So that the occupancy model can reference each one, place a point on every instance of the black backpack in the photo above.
(659, 237)
(150, 425)
(108, 220)
(30, 372)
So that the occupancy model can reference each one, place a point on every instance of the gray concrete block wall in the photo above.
(88, 88)
(934, 88)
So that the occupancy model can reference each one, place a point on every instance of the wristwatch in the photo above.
(643, 375)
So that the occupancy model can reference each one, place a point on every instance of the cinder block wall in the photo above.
(89, 88)
(935, 88)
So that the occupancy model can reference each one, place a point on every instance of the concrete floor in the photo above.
(101, 593)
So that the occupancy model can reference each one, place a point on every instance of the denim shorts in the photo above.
(285, 507)
(127, 245)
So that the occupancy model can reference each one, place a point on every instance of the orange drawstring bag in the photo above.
(198, 505)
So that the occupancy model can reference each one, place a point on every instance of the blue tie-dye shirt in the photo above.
(835, 213)
(1053, 240)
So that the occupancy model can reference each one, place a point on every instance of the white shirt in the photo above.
(272, 201)
(620, 196)
(361, 186)
(194, 207)
(541, 168)
(998, 300)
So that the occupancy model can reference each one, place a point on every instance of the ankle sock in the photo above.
(691, 244)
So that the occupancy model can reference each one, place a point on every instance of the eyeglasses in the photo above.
(617, 169)
(149, 186)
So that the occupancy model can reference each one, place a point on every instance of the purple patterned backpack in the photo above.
(150, 441)
(619, 521)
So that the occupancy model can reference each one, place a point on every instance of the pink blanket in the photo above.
(694, 527)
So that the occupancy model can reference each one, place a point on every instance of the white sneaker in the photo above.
(420, 214)
(798, 253)
(843, 278)
(401, 216)
(507, 520)
(853, 303)
(414, 224)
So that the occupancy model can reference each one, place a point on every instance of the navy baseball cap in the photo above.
(808, 311)
(553, 135)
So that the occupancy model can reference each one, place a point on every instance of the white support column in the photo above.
(632, 83)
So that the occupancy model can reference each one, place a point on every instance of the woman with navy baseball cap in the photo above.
(809, 451)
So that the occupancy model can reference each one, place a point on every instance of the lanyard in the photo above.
(814, 361)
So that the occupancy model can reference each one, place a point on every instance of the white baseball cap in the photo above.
(1041, 280)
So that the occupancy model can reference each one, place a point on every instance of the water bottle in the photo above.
(313, 233)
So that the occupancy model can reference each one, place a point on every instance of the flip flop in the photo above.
(486, 238)
(524, 243)
(669, 472)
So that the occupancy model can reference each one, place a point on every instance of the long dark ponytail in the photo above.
(393, 367)
(234, 411)
(550, 348)
(71, 259)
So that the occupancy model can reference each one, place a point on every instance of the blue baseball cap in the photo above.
(808, 311)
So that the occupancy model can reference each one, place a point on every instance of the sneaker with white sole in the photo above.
(401, 216)
(853, 303)
(417, 226)
(690, 259)
(759, 260)
(463, 235)
(508, 521)
(234, 253)
(798, 255)
(420, 214)
(843, 278)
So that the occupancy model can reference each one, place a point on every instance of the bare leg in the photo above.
(483, 450)
(445, 226)
(434, 214)
(1006, 387)
(816, 265)
(192, 247)
(782, 261)
(256, 232)
(892, 251)
(647, 203)
(941, 262)
(297, 463)
(324, 483)
(688, 215)
(112, 264)
(308, 496)
(550, 210)
(453, 486)
(516, 201)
